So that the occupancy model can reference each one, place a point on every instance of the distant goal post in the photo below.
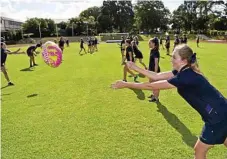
(108, 37)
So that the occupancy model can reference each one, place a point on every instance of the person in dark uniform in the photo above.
(93, 44)
(136, 40)
(181, 40)
(161, 43)
(122, 46)
(31, 53)
(61, 43)
(176, 41)
(131, 38)
(197, 41)
(4, 53)
(185, 39)
(89, 43)
(167, 44)
(154, 64)
(198, 92)
(128, 57)
(138, 54)
(96, 44)
(67, 42)
(82, 46)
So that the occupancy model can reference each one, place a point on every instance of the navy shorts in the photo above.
(214, 134)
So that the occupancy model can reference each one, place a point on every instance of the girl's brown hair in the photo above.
(186, 53)
(156, 42)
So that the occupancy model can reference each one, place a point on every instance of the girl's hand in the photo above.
(118, 84)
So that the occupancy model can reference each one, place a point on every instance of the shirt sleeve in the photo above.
(182, 80)
(176, 81)
(174, 72)
(129, 49)
(156, 54)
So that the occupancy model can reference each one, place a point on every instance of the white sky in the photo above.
(56, 9)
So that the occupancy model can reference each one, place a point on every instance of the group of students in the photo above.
(191, 84)
(182, 40)
(31, 52)
(62, 42)
(130, 52)
(92, 43)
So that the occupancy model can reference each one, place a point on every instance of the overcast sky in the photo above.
(56, 9)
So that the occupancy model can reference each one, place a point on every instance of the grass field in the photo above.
(70, 112)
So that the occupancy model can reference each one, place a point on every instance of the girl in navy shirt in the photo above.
(196, 90)
(4, 53)
(167, 44)
(138, 54)
(32, 53)
(128, 57)
(154, 64)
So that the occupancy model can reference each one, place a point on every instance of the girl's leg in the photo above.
(225, 143)
(152, 95)
(80, 50)
(30, 61)
(122, 55)
(140, 60)
(5, 73)
(133, 74)
(156, 94)
(201, 149)
(84, 50)
(125, 73)
(33, 60)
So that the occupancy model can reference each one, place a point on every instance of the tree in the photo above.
(116, 15)
(92, 11)
(199, 15)
(31, 26)
(151, 15)
(47, 27)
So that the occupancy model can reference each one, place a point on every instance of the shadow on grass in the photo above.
(5, 94)
(27, 69)
(32, 95)
(141, 75)
(140, 94)
(173, 120)
(6, 86)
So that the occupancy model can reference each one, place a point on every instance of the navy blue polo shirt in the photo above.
(122, 43)
(129, 49)
(154, 53)
(61, 43)
(201, 95)
(177, 41)
(31, 49)
(81, 43)
(3, 56)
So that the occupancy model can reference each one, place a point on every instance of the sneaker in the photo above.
(35, 65)
(135, 78)
(151, 96)
(124, 80)
(154, 100)
(10, 84)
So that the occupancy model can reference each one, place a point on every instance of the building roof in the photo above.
(6, 18)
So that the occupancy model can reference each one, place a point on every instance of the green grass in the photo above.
(70, 111)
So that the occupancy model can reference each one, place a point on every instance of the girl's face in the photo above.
(177, 62)
(3, 45)
(151, 45)
(127, 44)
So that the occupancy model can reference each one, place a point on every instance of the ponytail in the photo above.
(193, 64)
